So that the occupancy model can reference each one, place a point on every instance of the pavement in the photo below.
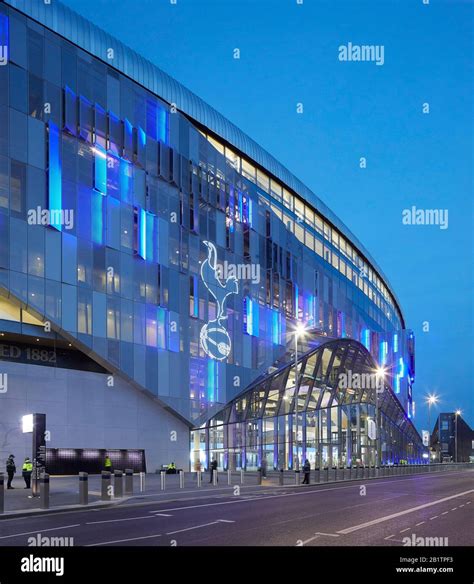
(376, 512)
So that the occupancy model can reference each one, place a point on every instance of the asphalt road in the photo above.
(361, 513)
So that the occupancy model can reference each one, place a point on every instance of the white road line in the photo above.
(444, 512)
(454, 509)
(307, 541)
(390, 536)
(122, 540)
(400, 513)
(461, 505)
(199, 526)
(403, 530)
(421, 523)
(163, 515)
(327, 534)
(435, 517)
(117, 520)
(468, 503)
(39, 531)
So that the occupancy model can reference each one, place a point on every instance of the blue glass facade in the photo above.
(166, 250)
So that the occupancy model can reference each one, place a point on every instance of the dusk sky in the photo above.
(289, 55)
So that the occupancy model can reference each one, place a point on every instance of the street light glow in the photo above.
(380, 371)
(432, 399)
(458, 412)
(300, 329)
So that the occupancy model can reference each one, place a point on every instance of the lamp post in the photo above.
(299, 330)
(457, 413)
(430, 400)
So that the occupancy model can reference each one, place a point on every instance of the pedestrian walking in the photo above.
(26, 472)
(307, 471)
(108, 464)
(263, 467)
(213, 469)
(11, 470)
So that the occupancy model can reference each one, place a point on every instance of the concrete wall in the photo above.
(82, 411)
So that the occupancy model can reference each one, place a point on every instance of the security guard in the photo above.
(171, 468)
(26, 472)
(108, 464)
(11, 470)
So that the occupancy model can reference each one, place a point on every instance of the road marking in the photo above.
(454, 509)
(435, 517)
(307, 541)
(390, 536)
(117, 520)
(122, 540)
(444, 512)
(327, 534)
(461, 505)
(39, 531)
(163, 515)
(199, 526)
(403, 530)
(421, 523)
(400, 513)
(468, 503)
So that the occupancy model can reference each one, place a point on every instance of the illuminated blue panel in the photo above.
(97, 209)
(248, 315)
(173, 331)
(100, 169)
(54, 177)
(161, 328)
(395, 343)
(142, 233)
(383, 352)
(4, 39)
(125, 181)
(276, 327)
(151, 251)
(128, 140)
(399, 375)
(162, 125)
(296, 300)
(255, 319)
(366, 339)
(250, 206)
(211, 380)
(196, 297)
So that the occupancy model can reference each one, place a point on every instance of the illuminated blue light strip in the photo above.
(54, 177)
(395, 343)
(366, 339)
(162, 122)
(196, 297)
(276, 326)
(296, 301)
(4, 39)
(150, 236)
(142, 233)
(161, 320)
(383, 352)
(100, 169)
(125, 181)
(249, 316)
(97, 204)
(211, 380)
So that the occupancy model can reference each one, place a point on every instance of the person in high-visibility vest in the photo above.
(108, 464)
(27, 469)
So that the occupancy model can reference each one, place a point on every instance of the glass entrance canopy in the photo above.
(328, 417)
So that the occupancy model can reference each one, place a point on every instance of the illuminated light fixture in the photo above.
(432, 399)
(27, 423)
(458, 412)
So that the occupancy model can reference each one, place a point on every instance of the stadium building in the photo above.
(155, 263)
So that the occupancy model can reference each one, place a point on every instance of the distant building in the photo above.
(443, 439)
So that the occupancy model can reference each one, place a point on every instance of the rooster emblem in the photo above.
(215, 339)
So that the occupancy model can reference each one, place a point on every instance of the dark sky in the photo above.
(289, 55)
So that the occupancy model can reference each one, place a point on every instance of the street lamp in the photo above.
(457, 413)
(430, 400)
(380, 374)
(299, 331)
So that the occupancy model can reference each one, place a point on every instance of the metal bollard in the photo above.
(229, 476)
(317, 475)
(142, 482)
(259, 476)
(44, 491)
(199, 478)
(163, 480)
(281, 478)
(181, 479)
(128, 481)
(214, 478)
(241, 476)
(118, 484)
(297, 477)
(106, 491)
(83, 488)
(2, 493)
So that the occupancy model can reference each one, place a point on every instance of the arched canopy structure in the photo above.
(328, 416)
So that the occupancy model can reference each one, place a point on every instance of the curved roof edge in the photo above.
(64, 21)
